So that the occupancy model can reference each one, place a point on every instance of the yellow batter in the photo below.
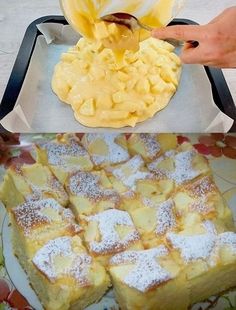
(104, 93)
(110, 79)
(85, 17)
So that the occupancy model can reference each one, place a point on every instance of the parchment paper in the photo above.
(38, 109)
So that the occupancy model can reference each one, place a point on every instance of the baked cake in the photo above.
(91, 192)
(30, 182)
(182, 165)
(106, 149)
(196, 263)
(148, 279)
(149, 146)
(46, 241)
(202, 199)
(65, 276)
(63, 156)
(207, 255)
(136, 184)
(36, 222)
(155, 221)
(143, 211)
(110, 232)
(191, 205)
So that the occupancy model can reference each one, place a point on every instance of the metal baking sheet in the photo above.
(29, 104)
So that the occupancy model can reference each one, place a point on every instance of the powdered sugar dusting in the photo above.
(201, 206)
(58, 187)
(195, 247)
(165, 217)
(203, 246)
(88, 185)
(32, 214)
(153, 165)
(209, 227)
(110, 239)
(202, 187)
(57, 152)
(183, 167)
(36, 194)
(148, 202)
(130, 172)
(51, 186)
(229, 239)
(151, 145)
(79, 265)
(147, 272)
(116, 154)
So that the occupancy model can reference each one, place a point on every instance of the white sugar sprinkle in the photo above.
(52, 185)
(147, 272)
(115, 153)
(110, 239)
(151, 145)
(36, 194)
(62, 247)
(202, 246)
(57, 152)
(193, 247)
(183, 167)
(201, 206)
(148, 202)
(88, 185)
(134, 174)
(31, 214)
(202, 187)
(229, 239)
(165, 217)
(209, 227)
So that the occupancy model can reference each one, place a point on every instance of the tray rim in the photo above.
(221, 93)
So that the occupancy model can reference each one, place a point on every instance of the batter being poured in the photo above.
(114, 76)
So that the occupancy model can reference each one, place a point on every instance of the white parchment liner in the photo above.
(38, 109)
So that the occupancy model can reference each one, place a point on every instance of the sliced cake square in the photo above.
(207, 254)
(35, 223)
(147, 280)
(150, 146)
(106, 149)
(154, 222)
(201, 199)
(63, 156)
(91, 192)
(182, 165)
(110, 232)
(137, 185)
(30, 182)
(65, 277)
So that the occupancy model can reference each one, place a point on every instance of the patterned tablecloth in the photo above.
(218, 148)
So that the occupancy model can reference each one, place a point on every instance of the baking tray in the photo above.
(220, 90)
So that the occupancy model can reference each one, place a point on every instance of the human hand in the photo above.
(217, 41)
